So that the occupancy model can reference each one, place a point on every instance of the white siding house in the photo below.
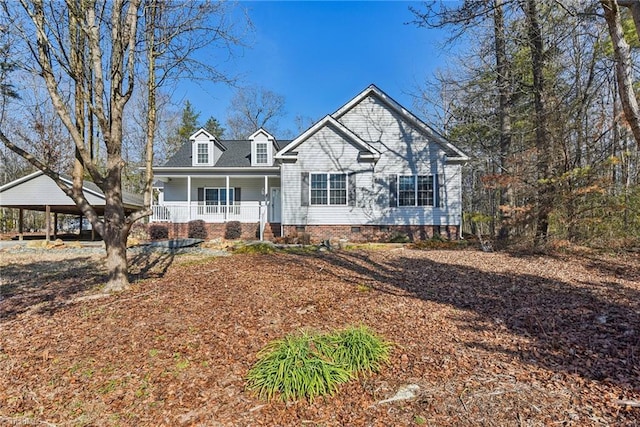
(367, 171)
(401, 175)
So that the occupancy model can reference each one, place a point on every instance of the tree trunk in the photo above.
(624, 67)
(504, 113)
(543, 190)
(152, 14)
(116, 230)
(117, 266)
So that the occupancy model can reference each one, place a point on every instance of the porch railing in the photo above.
(183, 212)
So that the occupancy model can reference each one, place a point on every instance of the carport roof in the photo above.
(37, 191)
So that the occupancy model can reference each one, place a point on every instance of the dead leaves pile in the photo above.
(490, 339)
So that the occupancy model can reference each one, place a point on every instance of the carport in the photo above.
(38, 192)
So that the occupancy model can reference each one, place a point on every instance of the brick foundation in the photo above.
(368, 233)
(318, 233)
(214, 230)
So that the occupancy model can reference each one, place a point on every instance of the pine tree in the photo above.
(213, 126)
(188, 125)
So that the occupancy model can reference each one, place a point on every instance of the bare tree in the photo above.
(252, 108)
(463, 19)
(97, 48)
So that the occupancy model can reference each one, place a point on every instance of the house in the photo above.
(368, 171)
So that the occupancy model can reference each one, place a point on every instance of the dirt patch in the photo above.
(488, 339)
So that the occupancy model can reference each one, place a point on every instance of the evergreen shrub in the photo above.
(233, 230)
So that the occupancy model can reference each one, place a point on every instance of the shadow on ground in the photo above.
(46, 286)
(589, 328)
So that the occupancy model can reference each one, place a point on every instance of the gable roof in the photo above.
(209, 136)
(261, 131)
(288, 153)
(16, 194)
(453, 153)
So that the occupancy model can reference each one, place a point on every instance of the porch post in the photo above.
(55, 225)
(266, 188)
(21, 224)
(47, 222)
(264, 211)
(226, 210)
(189, 197)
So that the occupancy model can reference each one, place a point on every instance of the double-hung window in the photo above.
(415, 190)
(202, 153)
(262, 157)
(328, 189)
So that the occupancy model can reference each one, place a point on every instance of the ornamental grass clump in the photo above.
(309, 365)
(358, 349)
(292, 368)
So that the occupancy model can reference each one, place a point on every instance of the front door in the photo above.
(275, 203)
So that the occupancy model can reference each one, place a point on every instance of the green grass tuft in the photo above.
(309, 365)
(358, 349)
(292, 368)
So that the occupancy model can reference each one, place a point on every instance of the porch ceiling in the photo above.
(272, 172)
(164, 176)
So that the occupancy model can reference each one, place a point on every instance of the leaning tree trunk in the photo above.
(634, 8)
(624, 66)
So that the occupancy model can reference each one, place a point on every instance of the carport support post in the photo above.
(47, 222)
(55, 225)
(21, 224)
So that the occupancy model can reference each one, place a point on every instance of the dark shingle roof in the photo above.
(237, 154)
(181, 158)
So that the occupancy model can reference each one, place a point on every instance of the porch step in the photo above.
(271, 230)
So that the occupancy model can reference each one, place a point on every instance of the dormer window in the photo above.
(205, 149)
(262, 156)
(203, 153)
(262, 146)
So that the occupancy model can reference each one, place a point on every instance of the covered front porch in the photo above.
(185, 212)
(246, 198)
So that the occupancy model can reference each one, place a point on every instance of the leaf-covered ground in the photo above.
(489, 338)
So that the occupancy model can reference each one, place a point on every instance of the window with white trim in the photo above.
(218, 196)
(328, 189)
(202, 153)
(262, 156)
(415, 190)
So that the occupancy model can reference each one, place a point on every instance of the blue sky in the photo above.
(318, 55)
